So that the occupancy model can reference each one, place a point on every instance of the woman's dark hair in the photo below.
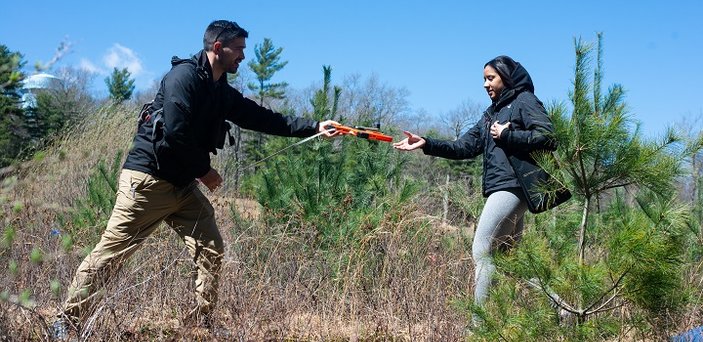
(504, 66)
(224, 31)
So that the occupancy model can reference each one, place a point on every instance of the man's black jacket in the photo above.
(194, 112)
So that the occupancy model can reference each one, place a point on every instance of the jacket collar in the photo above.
(203, 67)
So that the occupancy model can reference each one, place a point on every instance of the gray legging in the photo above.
(499, 227)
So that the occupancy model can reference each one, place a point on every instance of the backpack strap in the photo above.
(148, 116)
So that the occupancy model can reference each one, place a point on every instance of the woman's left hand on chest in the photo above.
(497, 129)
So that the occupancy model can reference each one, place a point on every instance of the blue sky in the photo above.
(435, 49)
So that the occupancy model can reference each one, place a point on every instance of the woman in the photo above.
(513, 126)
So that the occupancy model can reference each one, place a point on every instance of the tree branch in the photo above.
(613, 288)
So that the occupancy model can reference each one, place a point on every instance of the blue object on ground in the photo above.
(693, 335)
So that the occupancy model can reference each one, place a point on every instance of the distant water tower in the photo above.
(35, 83)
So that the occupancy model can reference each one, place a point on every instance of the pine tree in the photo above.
(331, 185)
(265, 66)
(617, 244)
(13, 132)
(120, 85)
(324, 106)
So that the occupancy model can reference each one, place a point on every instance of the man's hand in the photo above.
(410, 143)
(497, 129)
(323, 126)
(211, 180)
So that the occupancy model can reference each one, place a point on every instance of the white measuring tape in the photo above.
(288, 147)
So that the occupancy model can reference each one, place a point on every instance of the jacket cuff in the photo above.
(317, 127)
(504, 135)
(427, 147)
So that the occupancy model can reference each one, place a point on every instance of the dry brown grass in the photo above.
(274, 286)
(271, 288)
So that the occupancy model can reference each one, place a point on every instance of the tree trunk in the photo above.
(582, 231)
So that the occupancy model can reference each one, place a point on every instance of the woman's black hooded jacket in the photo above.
(193, 123)
(530, 130)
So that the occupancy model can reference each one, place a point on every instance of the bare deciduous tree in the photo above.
(372, 101)
(458, 120)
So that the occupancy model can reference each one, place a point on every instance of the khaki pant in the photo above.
(143, 202)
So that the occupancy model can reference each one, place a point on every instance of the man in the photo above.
(170, 154)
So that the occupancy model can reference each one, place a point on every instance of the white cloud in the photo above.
(121, 57)
(90, 67)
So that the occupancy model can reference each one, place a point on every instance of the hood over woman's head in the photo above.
(514, 75)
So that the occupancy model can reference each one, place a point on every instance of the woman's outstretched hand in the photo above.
(410, 143)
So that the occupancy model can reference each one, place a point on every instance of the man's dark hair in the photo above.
(504, 66)
(224, 31)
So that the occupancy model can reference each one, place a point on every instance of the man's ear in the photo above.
(216, 46)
